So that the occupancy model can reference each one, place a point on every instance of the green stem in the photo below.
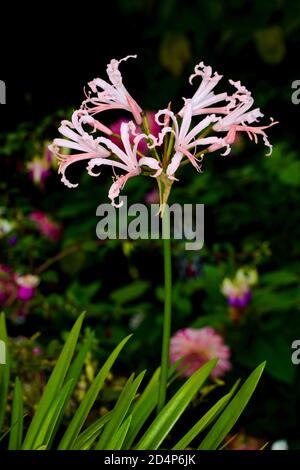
(167, 313)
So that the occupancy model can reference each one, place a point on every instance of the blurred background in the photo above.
(251, 201)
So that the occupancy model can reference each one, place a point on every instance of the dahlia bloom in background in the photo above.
(238, 289)
(46, 226)
(207, 122)
(196, 347)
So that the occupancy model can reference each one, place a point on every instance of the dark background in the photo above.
(48, 54)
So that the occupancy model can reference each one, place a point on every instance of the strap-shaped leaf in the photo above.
(86, 439)
(73, 376)
(54, 385)
(232, 412)
(172, 411)
(119, 412)
(117, 440)
(205, 421)
(90, 397)
(16, 428)
(48, 426)
(143, 408)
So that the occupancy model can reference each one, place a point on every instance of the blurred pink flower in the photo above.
(142, 147)
(39, 170)
(40, 167)
(47, 227)
(26, 286)
(152, 197)
(197, 346)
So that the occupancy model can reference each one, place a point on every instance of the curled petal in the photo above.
(151, 163)
(119, 184)
(174, 165)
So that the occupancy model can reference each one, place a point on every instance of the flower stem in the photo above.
(167, 312)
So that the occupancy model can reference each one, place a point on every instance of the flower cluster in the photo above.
(47, 227)
(195, 347)
(16, 286)
(238, 289)
(207, 122)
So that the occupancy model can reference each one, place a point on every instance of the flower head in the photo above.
(204, 97)
(126, 159)
(196, 347)
(26, 286)
(39, 170)
(238, 289)
(140, 150)
(76, 139)
(111, 95)
(186, 140)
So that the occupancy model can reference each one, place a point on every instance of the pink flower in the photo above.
(239, 118)
(186, 139)
(197, 346)
(112, 96)
(152, 197)
(26, 286)
(177, 142)
(77, 139)
(40, 167)
(39, 170)
(127, 160)
(142, 147)
(204, 96)
(47, 227)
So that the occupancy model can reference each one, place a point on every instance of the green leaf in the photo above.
(119, 412)
(16, 428)
(49, 424)
(73, 376)
(118, 438)
(172, 411)
(86, 439)
(205, 421)
(130, 292)
(232, 412)
(54, 384)
(143, 408)
(81, 414)
(4, 370)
